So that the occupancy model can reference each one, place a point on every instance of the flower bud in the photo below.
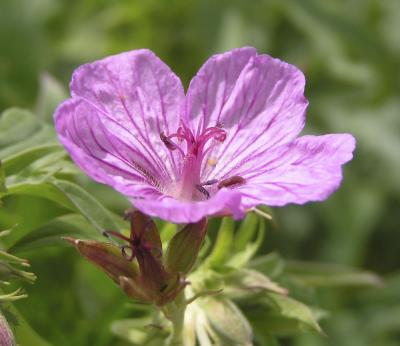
(107, 257)
(184, 247)
(137, 266)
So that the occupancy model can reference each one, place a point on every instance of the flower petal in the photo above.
(258, 99)
(139, 97)
(102, 155)
(213, 86)
(225, 202)
(309, 169)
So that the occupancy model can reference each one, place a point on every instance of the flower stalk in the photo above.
(175, 313)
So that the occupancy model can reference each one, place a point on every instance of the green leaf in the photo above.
(243, 283)
(51, 94)
(271, 265)
(87, 205)
(228, 321)
(287, 314)
(330, 275)
(52, 164)
(137, 332)
(15, 162)
(241, 258)
(223, 244)
(38, 188)
(267, 339)
(246, 232)
(70, 196)
(72, 225)
(3, 188)
(16, 125)
(167, 232)
(20, 130)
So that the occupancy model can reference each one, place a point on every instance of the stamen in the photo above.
(170, 144)
(186, 134)
(167, 141)
(209, 182)
(234, 180)
(203, 191)
(195, 157)
(262, 213)
(212, 132)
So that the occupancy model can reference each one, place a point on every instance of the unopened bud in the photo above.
(137, 267)
(106, 256)
(184, 247)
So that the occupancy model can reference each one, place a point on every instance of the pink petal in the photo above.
(102, 155)
(225, 202)
(258, 99)
(309, 169)
(139, 97)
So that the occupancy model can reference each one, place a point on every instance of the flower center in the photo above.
(193, 151)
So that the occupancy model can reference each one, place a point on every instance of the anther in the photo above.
(209, 182)
(168, 143)
(234, 180)
(203, 191)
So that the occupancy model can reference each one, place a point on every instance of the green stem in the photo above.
(175, 312)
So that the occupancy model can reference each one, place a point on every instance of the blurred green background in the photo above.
(349, 51)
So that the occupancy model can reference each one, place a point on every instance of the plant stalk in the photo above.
(175, 312)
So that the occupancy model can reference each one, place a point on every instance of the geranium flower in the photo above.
(225, 147)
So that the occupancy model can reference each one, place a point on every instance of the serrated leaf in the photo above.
(228, 321)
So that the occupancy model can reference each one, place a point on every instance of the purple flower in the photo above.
(226, 146)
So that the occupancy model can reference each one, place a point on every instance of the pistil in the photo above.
(189, 186)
